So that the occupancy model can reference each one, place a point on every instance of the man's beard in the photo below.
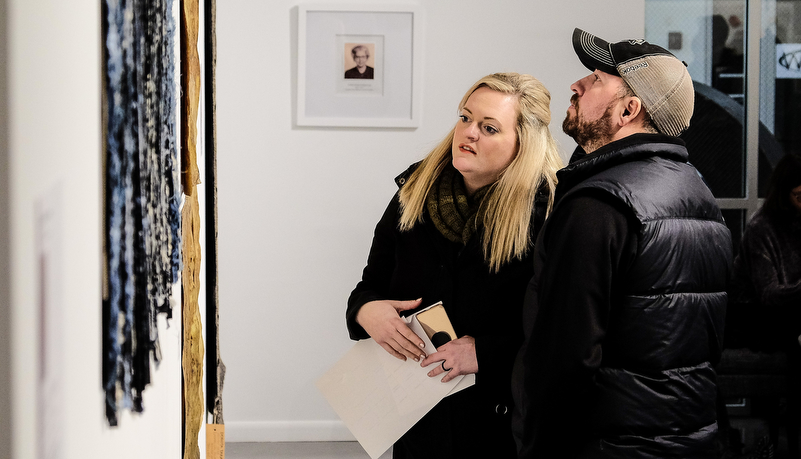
(590, 135)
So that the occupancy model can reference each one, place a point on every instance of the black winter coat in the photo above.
(421, 263)
(622, 333)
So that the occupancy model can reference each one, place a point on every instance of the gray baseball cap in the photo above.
(655, 75)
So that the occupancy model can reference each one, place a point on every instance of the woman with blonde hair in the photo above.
(461, 230)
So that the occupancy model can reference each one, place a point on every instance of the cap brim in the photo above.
(593, 52)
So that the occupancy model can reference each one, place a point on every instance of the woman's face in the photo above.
(485, 138)
(795, 197)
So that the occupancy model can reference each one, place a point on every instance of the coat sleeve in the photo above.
(377, 275)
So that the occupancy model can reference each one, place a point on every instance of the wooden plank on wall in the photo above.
(215, 374)
(192, 357)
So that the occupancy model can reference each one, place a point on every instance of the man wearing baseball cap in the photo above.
(624, 315)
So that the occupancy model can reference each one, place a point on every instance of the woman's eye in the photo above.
(490, 129)
(463, 118)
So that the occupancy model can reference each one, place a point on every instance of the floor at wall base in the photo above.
(295, 450)
(287, 431)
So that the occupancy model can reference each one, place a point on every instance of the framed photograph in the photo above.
(358, 66)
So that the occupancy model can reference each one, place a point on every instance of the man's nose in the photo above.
(579, 86)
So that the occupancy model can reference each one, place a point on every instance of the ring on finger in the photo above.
(443, 367)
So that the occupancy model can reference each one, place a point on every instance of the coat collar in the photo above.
(401, 179)
(631, 148)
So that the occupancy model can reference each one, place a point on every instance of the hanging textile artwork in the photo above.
(142, 194)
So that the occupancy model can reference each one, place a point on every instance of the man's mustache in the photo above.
(574, 101)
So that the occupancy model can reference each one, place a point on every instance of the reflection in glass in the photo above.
(709, 37)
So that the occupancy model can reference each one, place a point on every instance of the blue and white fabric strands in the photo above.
(142, 219)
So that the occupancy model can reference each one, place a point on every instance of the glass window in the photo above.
(711, 37)
(780, 85)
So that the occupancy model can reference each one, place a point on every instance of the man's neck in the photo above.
(595, 144)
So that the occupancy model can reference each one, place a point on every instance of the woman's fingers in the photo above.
(402, 348)
(432, 358)
(454, 358)
(443, 367)
(410, 342)
(405, 305)
(381, 321)
(449, 375)
(411, 337)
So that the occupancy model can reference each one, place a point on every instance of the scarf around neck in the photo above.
(453, 212)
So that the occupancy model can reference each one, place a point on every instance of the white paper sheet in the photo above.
(379, 397)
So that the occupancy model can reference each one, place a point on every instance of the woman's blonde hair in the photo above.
(506, 210)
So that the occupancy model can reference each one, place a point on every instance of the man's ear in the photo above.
(631, 110)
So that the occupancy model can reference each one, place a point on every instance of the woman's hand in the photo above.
(380, 319)
(456, 358)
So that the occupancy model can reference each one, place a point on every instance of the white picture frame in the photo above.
(387, 94)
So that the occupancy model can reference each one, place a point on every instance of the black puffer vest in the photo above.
(656, 389)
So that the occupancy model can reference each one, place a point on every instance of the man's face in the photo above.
(589, 117)
(360, 58)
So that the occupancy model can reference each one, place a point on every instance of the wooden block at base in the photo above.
(215, 441)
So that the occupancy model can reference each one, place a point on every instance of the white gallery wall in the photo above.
(297, 205)
(51, 112)
(5, 281)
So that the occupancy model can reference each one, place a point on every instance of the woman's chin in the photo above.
(462, 163)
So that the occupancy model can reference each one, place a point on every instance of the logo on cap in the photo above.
(636, 42)
(632, 68)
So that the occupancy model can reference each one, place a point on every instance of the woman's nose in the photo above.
(472, 131)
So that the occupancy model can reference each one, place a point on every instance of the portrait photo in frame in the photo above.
(358, 66)
(362, 64)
